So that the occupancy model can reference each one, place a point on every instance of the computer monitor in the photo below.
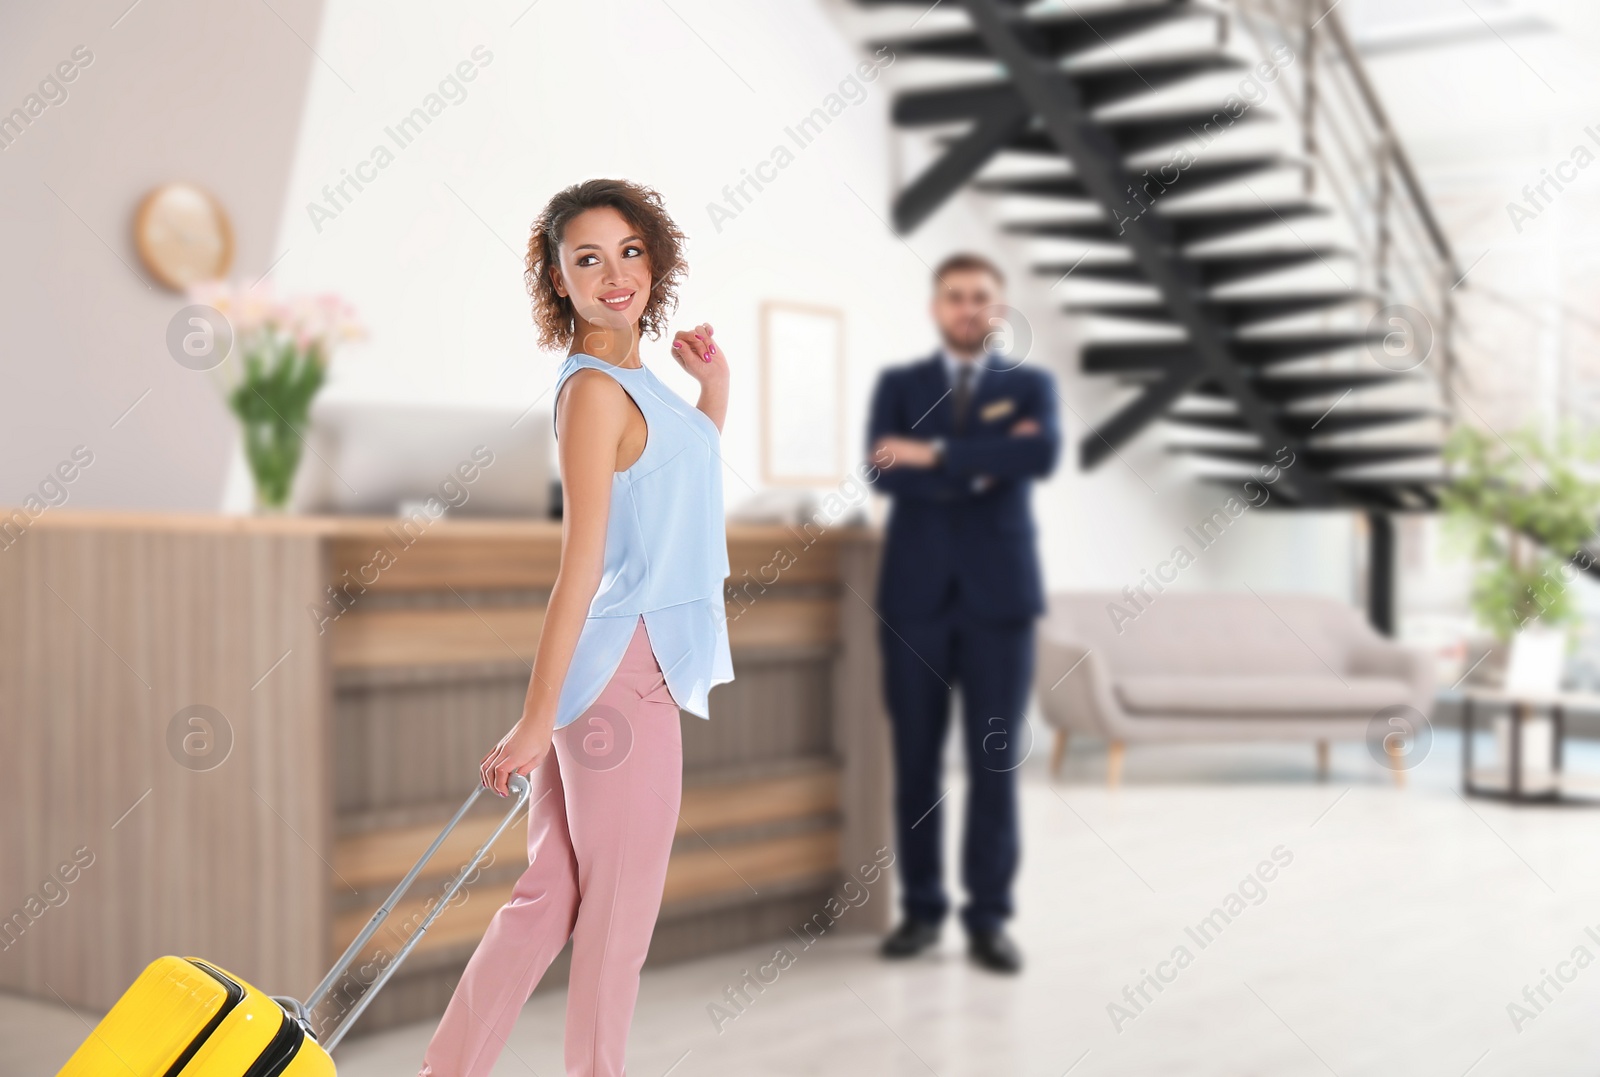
(373, 459)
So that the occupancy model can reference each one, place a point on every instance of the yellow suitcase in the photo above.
(186, 1017)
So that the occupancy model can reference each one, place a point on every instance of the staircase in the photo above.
(1260, 276)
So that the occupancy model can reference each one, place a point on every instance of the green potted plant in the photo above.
(278, 362)
(1525, 510)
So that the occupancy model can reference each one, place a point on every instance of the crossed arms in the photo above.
(969, 463)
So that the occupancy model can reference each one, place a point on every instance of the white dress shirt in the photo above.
(952, 369)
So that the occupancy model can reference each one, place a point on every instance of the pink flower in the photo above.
(315, 323)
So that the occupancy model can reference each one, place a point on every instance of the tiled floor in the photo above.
(1397, 929)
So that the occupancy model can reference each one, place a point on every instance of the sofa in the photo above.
(1212, 666)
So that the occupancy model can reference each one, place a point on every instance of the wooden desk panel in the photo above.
(380, 857)
(215, 846)
(737, 868)
(388, 638)
(387, 556)
(365, 639)
(437, 561)
(349, 732)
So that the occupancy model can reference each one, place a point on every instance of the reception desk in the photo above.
(229, 737)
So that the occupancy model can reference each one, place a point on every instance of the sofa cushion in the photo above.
(1205, 633)
(1234, 695)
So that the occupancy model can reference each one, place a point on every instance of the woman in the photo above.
(634, 630)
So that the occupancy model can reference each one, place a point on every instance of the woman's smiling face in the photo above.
(604, 268)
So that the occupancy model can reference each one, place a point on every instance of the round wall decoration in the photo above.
(183, 235)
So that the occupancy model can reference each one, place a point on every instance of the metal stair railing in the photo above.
(1352, 145)
(1050, 93)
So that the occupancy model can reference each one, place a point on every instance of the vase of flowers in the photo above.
(277, 363)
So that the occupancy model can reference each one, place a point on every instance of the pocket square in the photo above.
(997, 409)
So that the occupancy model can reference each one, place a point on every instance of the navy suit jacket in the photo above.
(945, 537)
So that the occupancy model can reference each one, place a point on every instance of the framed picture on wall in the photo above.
(802, 394)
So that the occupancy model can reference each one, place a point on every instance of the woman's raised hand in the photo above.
(698, 352)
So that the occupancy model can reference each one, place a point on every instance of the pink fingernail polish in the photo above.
(677, 344)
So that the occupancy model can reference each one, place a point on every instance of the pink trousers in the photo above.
(604, 809)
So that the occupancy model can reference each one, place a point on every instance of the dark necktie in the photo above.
(961, 398)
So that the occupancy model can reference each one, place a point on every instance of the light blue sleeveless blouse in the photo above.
(666, 554)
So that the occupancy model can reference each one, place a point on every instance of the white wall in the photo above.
(431, 250)
(209, 93)
(1482, 119)
(684, 97)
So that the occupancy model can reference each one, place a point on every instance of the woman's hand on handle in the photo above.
(519, 752)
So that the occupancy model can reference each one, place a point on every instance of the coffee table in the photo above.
(1512, 785)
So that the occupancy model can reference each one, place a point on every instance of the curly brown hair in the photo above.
(642, 208)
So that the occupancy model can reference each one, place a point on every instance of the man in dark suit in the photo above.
(959, 438)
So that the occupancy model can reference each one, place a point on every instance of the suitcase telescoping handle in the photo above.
(520, 789)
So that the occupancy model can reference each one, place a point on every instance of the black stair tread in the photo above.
(1321, 457)
(1221, 222)
(1234, 267)
(1140, 132)
(1309, 342)
(1381, 482)
(1097, 270)
(1215, 269)
(1132, 134)
(923, 4)
(1032, 140)
(1101, 85)
(1189, 226)
(1240, 311)
(1292, 388)
(1118, 357)
(1251, 214)
(1063, 33)
(1417, 494)
(1411, 495)
(1064, 185)
(1199, 176)
(1123, 80)
(1319, 298)
(1397, 480)
(1338, 420)
(950, 104)
(1092, 229)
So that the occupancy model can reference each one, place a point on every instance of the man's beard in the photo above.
(968, 344)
